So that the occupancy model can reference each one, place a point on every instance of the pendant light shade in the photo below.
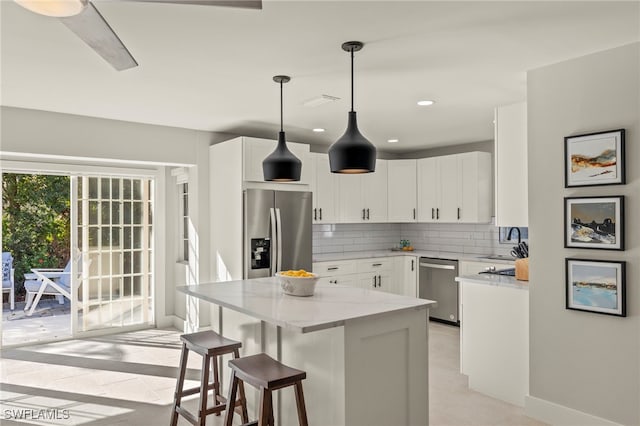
(281, 165)
(352, 153)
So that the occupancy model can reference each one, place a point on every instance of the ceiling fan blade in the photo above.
(91, 27)
(245, 4)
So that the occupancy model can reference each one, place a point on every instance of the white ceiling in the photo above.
(210, 68)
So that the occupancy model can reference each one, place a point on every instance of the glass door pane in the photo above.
(115, 240)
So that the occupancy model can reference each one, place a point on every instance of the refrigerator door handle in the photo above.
(279, 242)
(274, 240)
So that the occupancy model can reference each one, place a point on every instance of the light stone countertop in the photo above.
(331, 305)
(351, 255)
(495, 280)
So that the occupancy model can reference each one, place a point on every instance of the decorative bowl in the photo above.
(297, 286)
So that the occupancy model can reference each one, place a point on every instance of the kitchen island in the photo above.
(365, 352)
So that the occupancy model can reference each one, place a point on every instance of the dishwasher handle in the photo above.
(437, 266)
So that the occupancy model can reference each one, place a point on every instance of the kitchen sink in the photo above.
(497, 257)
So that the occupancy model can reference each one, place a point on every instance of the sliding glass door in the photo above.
(113, 265)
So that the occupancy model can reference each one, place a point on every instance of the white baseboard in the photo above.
(179, 323)
(166, 321)
(555, 414)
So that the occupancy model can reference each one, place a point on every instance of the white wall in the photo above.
(76, 139)
(584, 361)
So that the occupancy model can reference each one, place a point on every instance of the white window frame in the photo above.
(155, 172)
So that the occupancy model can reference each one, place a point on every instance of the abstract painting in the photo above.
(594, 222)
(594, 159)
(596, 286)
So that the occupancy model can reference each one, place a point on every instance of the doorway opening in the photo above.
(78, 252)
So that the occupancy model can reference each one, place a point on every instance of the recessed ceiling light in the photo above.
(426, 103)
(318, 130)
(393, 140)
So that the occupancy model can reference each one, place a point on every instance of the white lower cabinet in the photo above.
(382, 274)
(406, 268)
(495, 340)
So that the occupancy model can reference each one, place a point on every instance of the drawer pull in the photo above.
(377, 264)
(333, 268)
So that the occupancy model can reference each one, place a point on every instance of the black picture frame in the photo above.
(598, 296)
(586, 156)
(586, 225)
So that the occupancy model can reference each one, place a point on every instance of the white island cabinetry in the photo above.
(358, 347)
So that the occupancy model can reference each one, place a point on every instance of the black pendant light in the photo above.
(352, 153)
(281, 165)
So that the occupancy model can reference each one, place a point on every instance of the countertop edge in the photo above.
(494, 280)
(356, 255)
(302, 329)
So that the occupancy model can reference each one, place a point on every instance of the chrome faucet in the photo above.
(511, 230)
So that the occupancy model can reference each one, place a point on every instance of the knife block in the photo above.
(522, 269)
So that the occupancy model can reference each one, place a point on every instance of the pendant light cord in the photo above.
(351, 79)
(281, 109)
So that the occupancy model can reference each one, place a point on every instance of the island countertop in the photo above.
(331, 305)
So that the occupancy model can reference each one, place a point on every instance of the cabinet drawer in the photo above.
(375, 265)
(332, 269)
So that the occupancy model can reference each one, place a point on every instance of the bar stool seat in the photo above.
(266, 374)
(210, 345)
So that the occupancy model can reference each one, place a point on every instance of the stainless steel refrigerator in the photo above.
(277, 232)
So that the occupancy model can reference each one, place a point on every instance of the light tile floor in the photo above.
(129, 379)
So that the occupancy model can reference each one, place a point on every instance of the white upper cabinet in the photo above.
(255, 150)
(455, 188)
(450, 179)
(402, 189)
(428, 182)
(475, 202)
(374, 189)
(511, 192)
(363, 197)
(324, 187)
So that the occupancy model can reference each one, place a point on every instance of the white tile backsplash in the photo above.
(464, 238)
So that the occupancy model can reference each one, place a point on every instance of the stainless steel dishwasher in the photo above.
(437, 282)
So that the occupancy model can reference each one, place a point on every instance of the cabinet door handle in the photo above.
(374, 281)
(414, 213)
(363, 217)
(433, 213)
(412, 265)
(379, 281)
(367, 214)
(438, 213)
(333, 268)
(315, 214)
(458, 213)
(320, 213)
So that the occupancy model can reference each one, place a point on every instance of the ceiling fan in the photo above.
(83, 18)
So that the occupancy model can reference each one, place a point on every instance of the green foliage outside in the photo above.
(35, 222)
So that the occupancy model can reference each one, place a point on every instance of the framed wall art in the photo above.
(596, 286)
(594, 222)
(594, 159)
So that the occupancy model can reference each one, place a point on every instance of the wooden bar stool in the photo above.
(266, 374)
(210, 345)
